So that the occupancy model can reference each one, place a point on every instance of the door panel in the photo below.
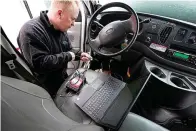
(76, 35)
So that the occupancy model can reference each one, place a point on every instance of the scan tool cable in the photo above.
(78, 79)
(74, 67)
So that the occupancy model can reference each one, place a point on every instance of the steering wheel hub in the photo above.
(109, 31)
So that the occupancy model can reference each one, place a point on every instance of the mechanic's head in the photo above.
(63, 13)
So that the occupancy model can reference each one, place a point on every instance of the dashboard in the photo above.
(171, 40)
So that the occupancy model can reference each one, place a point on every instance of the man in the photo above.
(45, 45)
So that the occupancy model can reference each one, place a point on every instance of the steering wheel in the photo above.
(113, 33)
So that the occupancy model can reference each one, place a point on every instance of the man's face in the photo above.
(67, 18)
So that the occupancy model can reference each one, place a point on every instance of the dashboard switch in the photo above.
(192, 38)
(148, 39)
(180, 34)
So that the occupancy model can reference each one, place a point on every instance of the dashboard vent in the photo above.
(164, 34)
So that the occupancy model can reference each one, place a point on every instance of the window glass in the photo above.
(179, 9)
(38, 5)
(13, 16)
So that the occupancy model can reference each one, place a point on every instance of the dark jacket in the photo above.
(46, 50)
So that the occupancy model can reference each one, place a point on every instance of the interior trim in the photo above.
(168, 18)
(168, 74)
(83, 26)
(151, 55)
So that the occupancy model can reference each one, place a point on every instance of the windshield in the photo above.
(182, 10)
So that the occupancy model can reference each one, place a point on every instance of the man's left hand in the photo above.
(85, 57)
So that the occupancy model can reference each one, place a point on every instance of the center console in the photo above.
(168, 97)
(171, 89)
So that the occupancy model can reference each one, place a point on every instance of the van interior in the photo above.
(142, 76)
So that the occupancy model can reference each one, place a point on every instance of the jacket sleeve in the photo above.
(77, 53)
(36, 51)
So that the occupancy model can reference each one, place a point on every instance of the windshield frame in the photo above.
(173, 14)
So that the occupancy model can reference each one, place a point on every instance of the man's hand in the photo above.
(85, 57)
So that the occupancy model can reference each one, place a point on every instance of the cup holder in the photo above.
(179, 82)
(157, 72)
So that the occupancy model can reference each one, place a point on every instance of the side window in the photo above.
(40, 5)
(13, 16)
(79, 19)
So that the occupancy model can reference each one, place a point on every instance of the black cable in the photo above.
(79, 74)
(75, 77)
(117, 76)
(69, 94)
(74, 67)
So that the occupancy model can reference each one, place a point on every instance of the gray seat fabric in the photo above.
(135, 122)
(28, 107)
(87, 128)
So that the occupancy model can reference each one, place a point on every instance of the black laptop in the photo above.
(106, 100)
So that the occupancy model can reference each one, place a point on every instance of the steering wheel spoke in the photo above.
(130, 25)
(95, 42)
(109, 50)
(99, 24)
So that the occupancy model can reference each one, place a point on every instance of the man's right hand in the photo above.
(85, 57)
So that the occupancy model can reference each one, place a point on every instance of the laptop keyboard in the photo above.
(102, 99)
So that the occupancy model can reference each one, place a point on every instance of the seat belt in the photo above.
(16, 67)
(15, 50)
